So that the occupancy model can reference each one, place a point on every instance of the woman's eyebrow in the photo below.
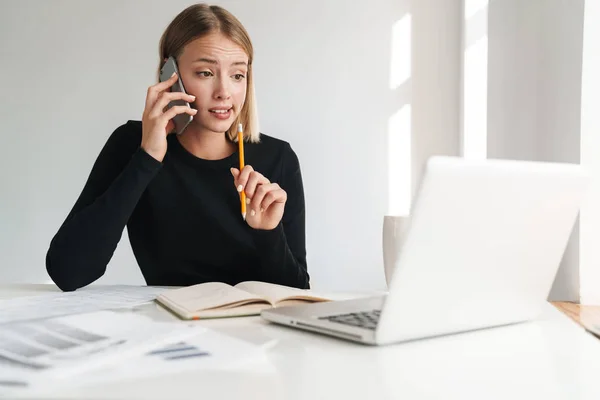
(215, 62)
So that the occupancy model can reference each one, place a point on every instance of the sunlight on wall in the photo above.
(475, 80)
(399, 124)
(400, 60)
(472, 7)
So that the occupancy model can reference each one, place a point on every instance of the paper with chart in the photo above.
(209, 350)
(42, 353)
(89, 299)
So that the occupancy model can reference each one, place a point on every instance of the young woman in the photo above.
(179, 195)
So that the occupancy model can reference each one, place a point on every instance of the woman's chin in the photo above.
(219, 127)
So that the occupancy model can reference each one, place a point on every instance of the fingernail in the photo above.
(231, 170)
(262, 209)
(192, 96)
(253, 213)
(248, 200)
(240, 188)
(173, 74)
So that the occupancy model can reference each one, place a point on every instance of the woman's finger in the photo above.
(173, 111)
(262, 192)
(165, 98)
(277, 195)
(255, 179)
(243, 178)
(155, 90)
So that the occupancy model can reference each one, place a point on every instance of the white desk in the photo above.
(552, 358)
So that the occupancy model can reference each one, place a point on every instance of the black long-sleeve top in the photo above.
(183, 217)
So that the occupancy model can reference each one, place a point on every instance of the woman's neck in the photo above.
(206, 145)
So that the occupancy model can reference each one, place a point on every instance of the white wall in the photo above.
(513, 27)
(73, 71)
(534, 94)
(559, 112)
(436, 81)
(590, 143)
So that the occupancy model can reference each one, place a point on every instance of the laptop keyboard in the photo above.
(367, 319)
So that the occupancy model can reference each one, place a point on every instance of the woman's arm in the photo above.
(86, 241)
(283, 250)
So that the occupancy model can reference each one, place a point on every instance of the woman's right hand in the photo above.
(156, 122)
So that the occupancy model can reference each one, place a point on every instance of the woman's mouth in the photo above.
(221, 112)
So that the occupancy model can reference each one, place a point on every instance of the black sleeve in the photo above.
(283, 250)
(87, 239)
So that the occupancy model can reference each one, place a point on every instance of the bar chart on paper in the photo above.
(178, 351)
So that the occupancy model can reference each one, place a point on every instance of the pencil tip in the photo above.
(244, 216)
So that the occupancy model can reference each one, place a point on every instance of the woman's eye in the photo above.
(238, 77)
(204, 74)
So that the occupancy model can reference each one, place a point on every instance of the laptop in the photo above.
(485, 241)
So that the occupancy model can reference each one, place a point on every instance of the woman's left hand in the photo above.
(265, 201)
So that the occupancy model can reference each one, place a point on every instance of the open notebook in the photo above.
(216, 299)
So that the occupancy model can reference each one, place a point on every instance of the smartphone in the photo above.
(181, 121)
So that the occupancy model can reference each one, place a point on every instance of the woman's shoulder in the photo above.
(270, 145)
(272, 154)
(127, 135)
(130, 130)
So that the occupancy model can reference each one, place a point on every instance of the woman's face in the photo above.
(214, 69)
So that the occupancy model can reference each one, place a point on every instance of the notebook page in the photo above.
(276, 293)
(205, 296)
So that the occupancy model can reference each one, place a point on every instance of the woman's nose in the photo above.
(222, 91)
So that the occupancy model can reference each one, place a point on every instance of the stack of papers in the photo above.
(46, 340)
(92, 298)
(44, 352)
(208, 350)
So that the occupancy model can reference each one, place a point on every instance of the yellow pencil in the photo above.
(241, 151)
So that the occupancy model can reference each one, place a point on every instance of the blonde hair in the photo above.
(197, 21)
